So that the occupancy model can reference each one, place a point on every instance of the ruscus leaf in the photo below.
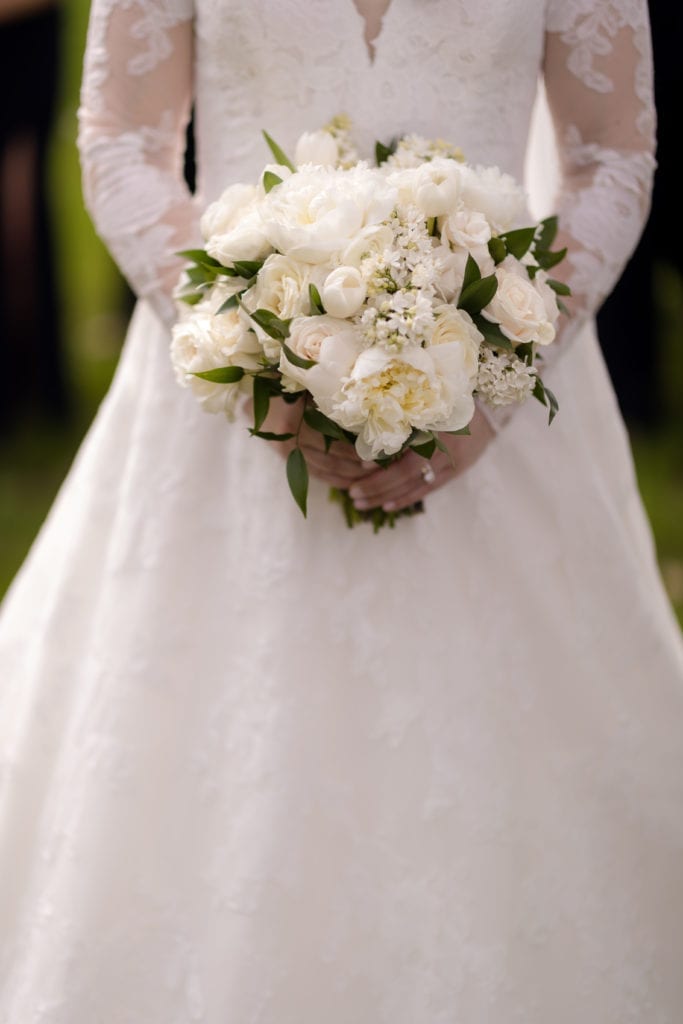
(261, 401)
(497, 250)
(317, 308)
(222, 374)
(323, 424)
(517, 242)
(295, 360)
(297, 478)
(271, 324)
(472, 272)
(270, 180)
(548, 232)
(477, 295)
(279, 154)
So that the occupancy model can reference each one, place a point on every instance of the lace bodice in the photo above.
(466, 70)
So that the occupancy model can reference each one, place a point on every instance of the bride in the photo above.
(262, 769)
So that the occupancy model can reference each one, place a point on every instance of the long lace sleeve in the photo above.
(598, 80)
(135, 102)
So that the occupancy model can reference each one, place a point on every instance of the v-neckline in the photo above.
(370, 45)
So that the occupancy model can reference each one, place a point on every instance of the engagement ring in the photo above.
(428, 474)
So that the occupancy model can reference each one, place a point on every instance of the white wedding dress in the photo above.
(262, 770)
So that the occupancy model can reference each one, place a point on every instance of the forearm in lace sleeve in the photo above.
(135, 102)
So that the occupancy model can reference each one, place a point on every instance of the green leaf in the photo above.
(261, 401)
(553, 404)
(472, 272)
(463, 432)
(267, 435)
(475, 296)
(548, 232)
(278, 154)
(426, 450)
(545, 396)
(382, 152)
(295, 360)
(199, 275)
(230, 303)
(247, 268)
(270, 180)
(222, 375)
(559, 286)
(191, 298)
(297, 477)
(546, 259)
(317, 308)
(517, 242)
(271, 324)
(498, 250)
(525, 352)
(493, 336)
(324, 425)
(198, 256)
(562, 308)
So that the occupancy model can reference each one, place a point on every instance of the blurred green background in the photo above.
(36, 453)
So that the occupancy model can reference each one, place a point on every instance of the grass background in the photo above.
(35, 458)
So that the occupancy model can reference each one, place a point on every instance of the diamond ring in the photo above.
(428, 474)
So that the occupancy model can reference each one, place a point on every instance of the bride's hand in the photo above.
(340, 467)
(403, 482)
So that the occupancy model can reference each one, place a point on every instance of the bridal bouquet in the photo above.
(381, 298)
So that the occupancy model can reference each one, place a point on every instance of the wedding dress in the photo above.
(263, 770)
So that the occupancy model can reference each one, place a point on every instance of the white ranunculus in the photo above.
(437, 187)
(374, 240)
(495, 194)
(223, 215)
(466, 228)
(387, 395)
(455, 326)
(343, 292)
(316, 148)
(206, 342)
(316, 213)
(518, 307)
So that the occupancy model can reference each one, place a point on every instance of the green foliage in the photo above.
(498, 250)
(317, 308)
(297, 478)
(222, 374)
(545, 396)
(271, 324)
(278, 154)
(270, 180)
(478, 294)
(382, 152)
(295, 360)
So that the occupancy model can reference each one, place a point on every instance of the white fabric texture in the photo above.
(264, 770)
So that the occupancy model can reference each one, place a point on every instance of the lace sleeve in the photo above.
(135, 103)
(598, 79)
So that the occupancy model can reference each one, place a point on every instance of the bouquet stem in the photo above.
(377, 516)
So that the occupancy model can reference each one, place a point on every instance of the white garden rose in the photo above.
(466, 229)
(437, 187)
(334, 345)
(282, 287)
(316, 148)
(387, 395)
(518, 307)
(223, 215)
(316, 213)
(455, 326)
(548, 295)
(495, 194)
(206, 342)
(343, 292)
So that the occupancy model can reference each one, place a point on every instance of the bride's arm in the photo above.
(135, 103)
(598, 77)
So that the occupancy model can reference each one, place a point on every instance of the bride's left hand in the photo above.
(403, 482)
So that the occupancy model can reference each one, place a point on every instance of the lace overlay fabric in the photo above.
(263, 770)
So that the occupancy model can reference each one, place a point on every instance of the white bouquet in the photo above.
(382, 299)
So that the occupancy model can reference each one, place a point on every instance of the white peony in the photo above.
(206, 342)
(245, 241)
(223, 215)
(385, 395)
(343, 292)
(316, 213)
(518, 306)
(317, 148)
(493, 193)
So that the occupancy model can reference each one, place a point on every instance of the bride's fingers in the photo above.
(383, 484)
(416, 491)
(326, 466)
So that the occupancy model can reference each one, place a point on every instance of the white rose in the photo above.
(343, 292)
(207, 342)
(518, 307)
(466, 228)
(387, 395)
(496, 195)
(223, 215)
(282, 287)
(437, 187)
(455, 326)
(316, 148)
(316, 213)
(548, 295)
(334, 345)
